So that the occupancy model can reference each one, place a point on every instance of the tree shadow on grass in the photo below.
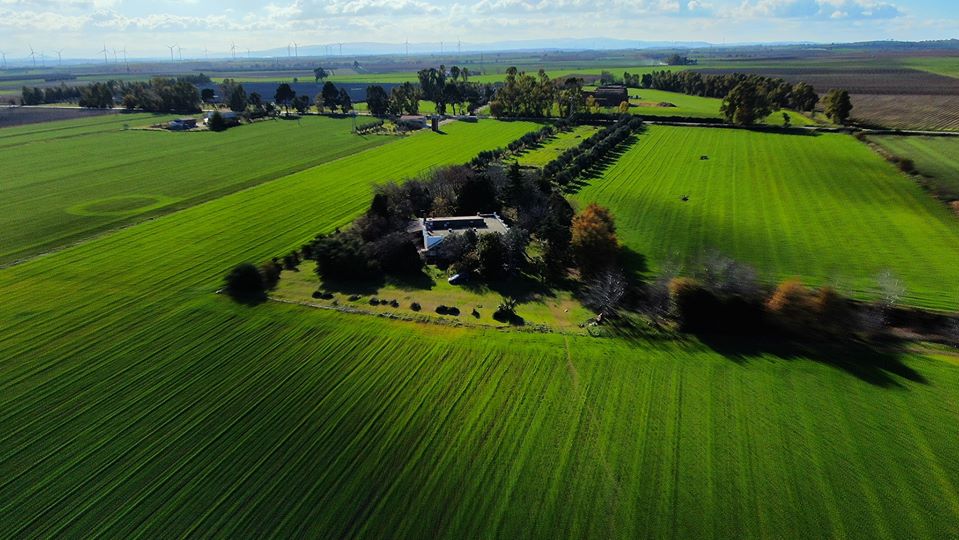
(249, 299)
(878, 363)
(598, 168)
(353, 286)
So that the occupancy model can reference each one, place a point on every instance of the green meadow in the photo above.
(935, 157)
(68, 182)
(136, 402)
(556, 145)
(823, 207)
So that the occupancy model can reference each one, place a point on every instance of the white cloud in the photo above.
(817, 9)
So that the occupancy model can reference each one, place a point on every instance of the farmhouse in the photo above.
(610, 96)
(435, 230)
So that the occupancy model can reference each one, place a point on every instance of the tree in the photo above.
(244, 280)
(491, 253)
(803, 97)
(594, 241)
(624, 107)
(217, 122)
(342, 256)
(319, 74)
(515, 241)
(604, 293)
(346, 104)
(838, 106)
(787, 120)
(255, 100)
(331, 96)
(377, 100)
(746, 104)
(207, 95)
(236, 99)
(301, 104)
(284, 96)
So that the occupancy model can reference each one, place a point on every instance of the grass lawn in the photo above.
(133, 401)
(66, 182)
(821, 207)
(538, 305)
(426, 107)
(556, 145)
(935, 157)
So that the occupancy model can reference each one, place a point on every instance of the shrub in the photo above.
(342, 256)
(415, 306)
(243, 280)
(693, 304)
(907, 165)
(792, 304)
(506, 310)
(453, 310)
(442, 310)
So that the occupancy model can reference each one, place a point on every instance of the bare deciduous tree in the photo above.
(605, 292)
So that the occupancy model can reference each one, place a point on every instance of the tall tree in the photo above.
(838, 106)
(284, 96)
(377, 101)
(331, 96)
(346, 104)
(594, 241)
(746, 104)
(320, 74)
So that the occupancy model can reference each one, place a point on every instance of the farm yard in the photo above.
(773, 200)
(141, 396)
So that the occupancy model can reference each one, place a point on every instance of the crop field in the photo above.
(556, 145)
(135, 402)
(70, 180)
(19, 116)
(777, 202)
(935, 157)
(907, 111)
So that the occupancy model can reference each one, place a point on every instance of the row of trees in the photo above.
(533, 96)
(571, 163)
(159, 95)
(53, 94)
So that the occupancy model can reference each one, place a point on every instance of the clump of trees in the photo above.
(451, 88)
(573, 162)
(160, 95)
(838, 106)
(528, 96)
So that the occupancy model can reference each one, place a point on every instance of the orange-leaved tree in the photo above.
(594, 242)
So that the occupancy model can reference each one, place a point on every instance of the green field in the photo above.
(821, 207)
(135, 402)
(68, 180)
(935, 157)
(556, 145)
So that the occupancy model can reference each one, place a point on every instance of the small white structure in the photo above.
(228, 116)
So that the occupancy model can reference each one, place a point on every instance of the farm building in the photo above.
(435, 230)
(182, 124)
(412, 121)
(228, 116)
(610, 96)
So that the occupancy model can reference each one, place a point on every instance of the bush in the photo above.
(694, 305)
(244, 280)
(271, 274)
(453, 310)
(442, 310)
(793, 305)
(415, 306)
(342, 256)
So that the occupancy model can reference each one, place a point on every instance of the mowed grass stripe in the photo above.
(823, 208)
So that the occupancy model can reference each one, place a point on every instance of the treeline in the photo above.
(573, 162)
(534, 96)
(53, 94)
(446, 88)
(102, 95)
(160, 95)
(533, 138)
(778, 92)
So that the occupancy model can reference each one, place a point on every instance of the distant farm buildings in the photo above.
(412, 121)
(610, 95)
(182, 124)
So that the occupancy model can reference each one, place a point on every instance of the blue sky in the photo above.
(81, 27)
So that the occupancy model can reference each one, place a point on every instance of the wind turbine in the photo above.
(125, 62)
(288, 54)
(59, 58)
(171, 47)
(43, 60)
(233, 49)
(180, 52)
(4, 55)
(104, 51)
(116, 59)
(206, 53)
(296, 51)
(407, 48)
(33, 55)
(341, 49)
